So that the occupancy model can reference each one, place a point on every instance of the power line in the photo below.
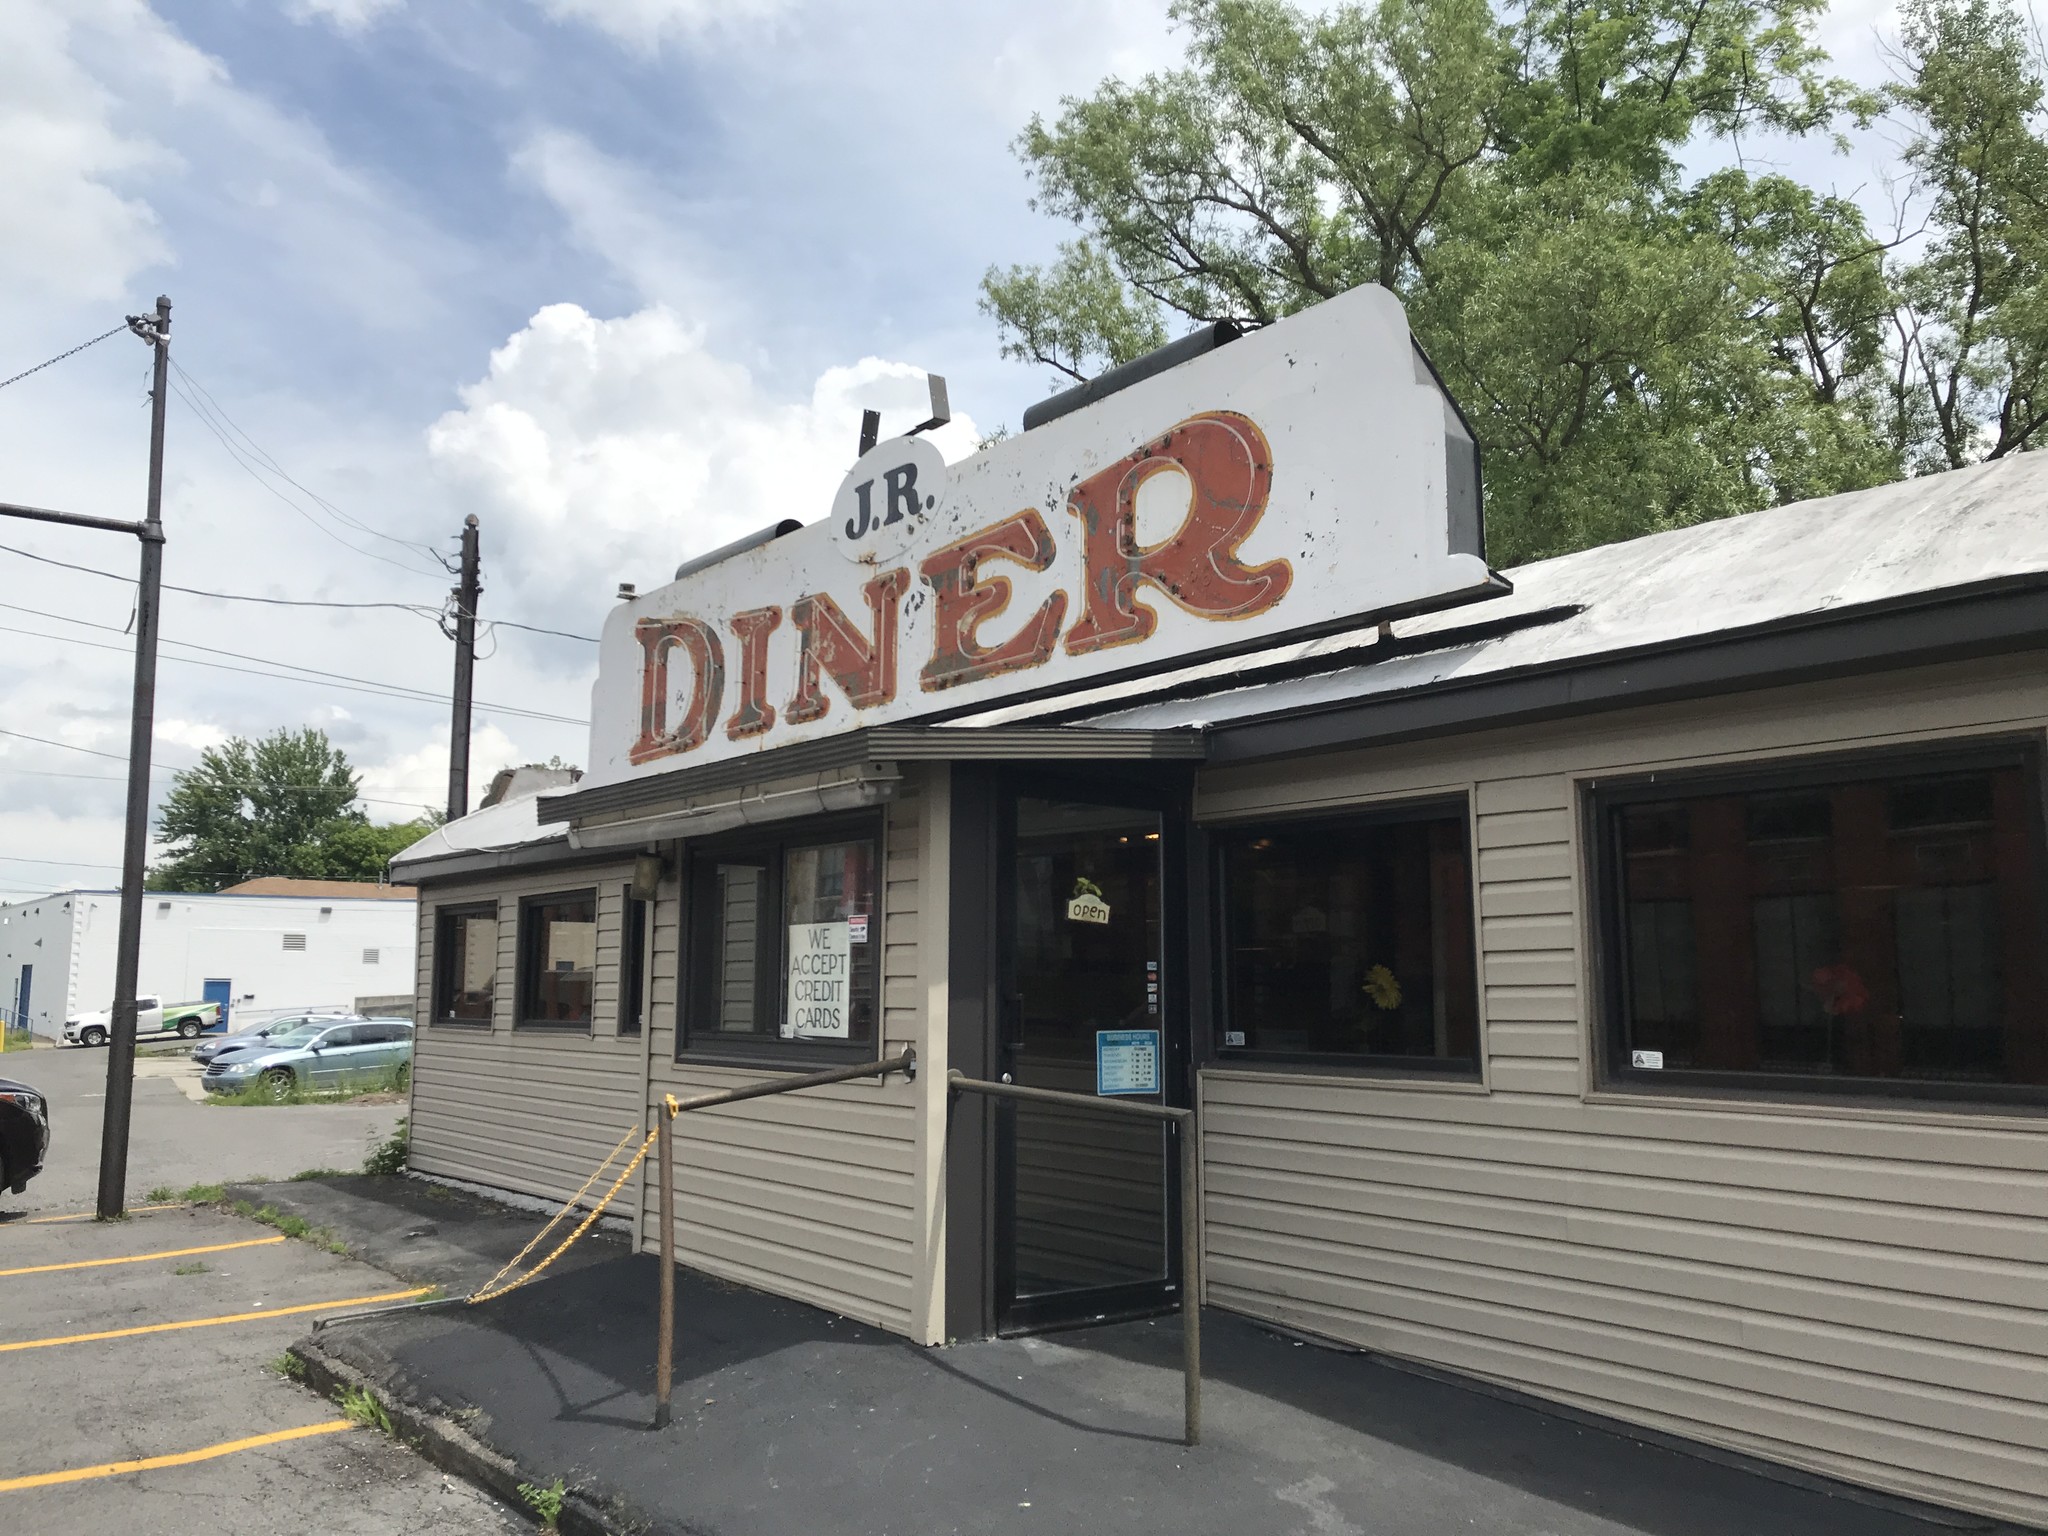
(67, 746)
(424, 610)
(219, 425)
(270, 462)
(102, 778)
(395, 690)
(39, 367)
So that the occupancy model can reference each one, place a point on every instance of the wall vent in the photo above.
(369, 957)
(295, 941)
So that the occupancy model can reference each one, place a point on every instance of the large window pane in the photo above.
(785, 940)
(559, 959)
(830, 980)
(1875, 925)
(1351, 939)
(466, 964)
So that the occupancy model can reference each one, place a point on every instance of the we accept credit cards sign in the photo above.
(820, 982)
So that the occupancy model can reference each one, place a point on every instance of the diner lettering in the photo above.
(1227, 464)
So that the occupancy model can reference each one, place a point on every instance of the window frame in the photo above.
(1601, 797)
(636, 932)
(437, 1014)
(769, 845)
(1388, 1068)
(523, 971)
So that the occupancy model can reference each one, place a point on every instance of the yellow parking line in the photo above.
(181, 1459)
(133, 1210)
(137, 1258)
(209, 1322)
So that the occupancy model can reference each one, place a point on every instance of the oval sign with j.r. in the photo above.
(886, 498)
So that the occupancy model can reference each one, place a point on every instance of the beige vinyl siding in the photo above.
(527, 1110)
(816, 1195)
(1859, 1288)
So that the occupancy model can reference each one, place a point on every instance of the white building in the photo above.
(260, 947)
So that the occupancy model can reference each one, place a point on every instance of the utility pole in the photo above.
(141, 728)
(466, 595)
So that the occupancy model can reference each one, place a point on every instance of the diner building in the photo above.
(1619, 979)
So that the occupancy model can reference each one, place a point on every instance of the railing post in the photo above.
(664, 1361)
(1190, 1282)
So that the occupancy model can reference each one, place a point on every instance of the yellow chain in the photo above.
(490, 1289)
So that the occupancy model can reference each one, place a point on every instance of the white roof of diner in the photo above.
(494, 829)
(1808, 559)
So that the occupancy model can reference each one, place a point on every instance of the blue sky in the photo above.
(615, 275)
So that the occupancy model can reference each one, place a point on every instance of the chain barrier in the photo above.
(491, 1289)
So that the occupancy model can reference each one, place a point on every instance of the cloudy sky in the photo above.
(617, 276)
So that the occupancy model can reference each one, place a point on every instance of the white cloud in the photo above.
(597, 451)
(342, 15)
(399, 786)
(70, 171)
(646, 24)
(619, 214)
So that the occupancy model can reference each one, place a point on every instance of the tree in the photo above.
(1971, 356)
(1636, 351)
(284, 805)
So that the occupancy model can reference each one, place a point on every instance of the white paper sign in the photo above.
(1654, 1060)
(820, 982)
(1297, 481)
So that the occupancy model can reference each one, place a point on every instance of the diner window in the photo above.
(1873, 926)
(1351, 941)
(633, 966)
(465, 964)
(785, 946)
(557, 960)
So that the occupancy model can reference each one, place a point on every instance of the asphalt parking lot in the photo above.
(174, 1141)
(142, 1395)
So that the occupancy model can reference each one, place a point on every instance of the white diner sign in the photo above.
(820, 982)
(1292, 482)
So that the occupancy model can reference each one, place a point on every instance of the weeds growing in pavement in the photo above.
(546, 1502)
(289, 1366)
(196, 1267)
(306, 1174)
(266, 1091)
(199, 1194)
(163, 1194)
(389, 1155)
(360, 1404)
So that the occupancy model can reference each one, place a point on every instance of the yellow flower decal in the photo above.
(1382, 988)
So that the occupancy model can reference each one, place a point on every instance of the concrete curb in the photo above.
(454, 1449)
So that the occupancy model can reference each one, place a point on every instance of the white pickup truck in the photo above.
(185, 1020)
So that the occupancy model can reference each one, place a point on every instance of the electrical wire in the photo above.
(315, 674)
(424, 610)
(263, 457)
(67, 746)
(392, 691)
(39, 367)
(107, 778)
(254, 464)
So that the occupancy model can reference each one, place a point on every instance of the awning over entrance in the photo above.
(855, 764)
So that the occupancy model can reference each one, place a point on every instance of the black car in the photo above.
(24, 1134)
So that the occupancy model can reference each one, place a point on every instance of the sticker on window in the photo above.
(1233, 1037)
(857, 928)
(820, 970)
(1654, 1060)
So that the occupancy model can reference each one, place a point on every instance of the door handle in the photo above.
(1007, 1078)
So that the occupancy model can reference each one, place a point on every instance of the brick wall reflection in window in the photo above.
(1879, 927)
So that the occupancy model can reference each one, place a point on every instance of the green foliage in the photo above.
(1972, 372)
(268, 1092)
(196, 1267)
(284, 805)
(361, 1404)
(199, 1194)
(390, 1155)
(545, 1501)
(289, 1366)
(12, 1039)
(1637, 347)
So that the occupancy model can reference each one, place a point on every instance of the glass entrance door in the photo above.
(1087, 1214)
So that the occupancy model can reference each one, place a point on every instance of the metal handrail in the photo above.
(1190, 1239)
(904, 1061)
